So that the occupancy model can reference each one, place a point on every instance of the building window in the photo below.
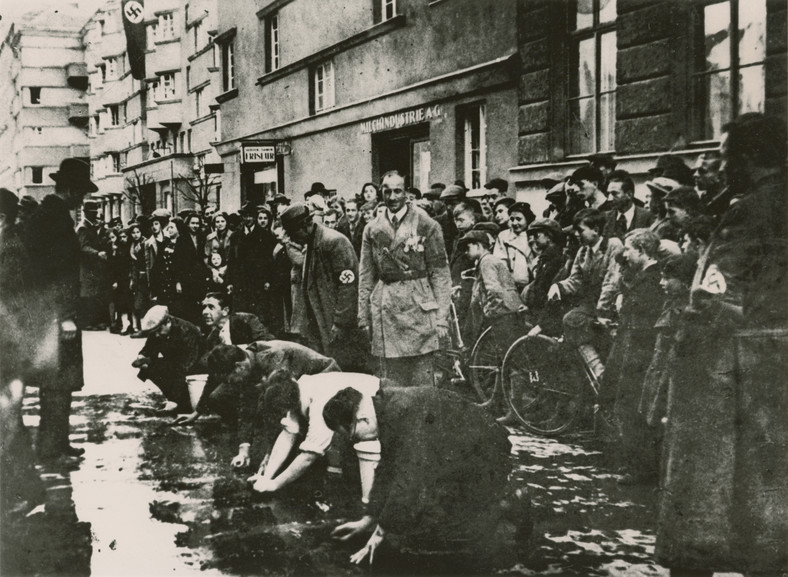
(383, 10)
(112, 69)
(94, 125)
(166, 85)
(37, 174)
(592, 77)
(272, 56)
(475, 146)
(124, 113)
(388, 9)
(103, 69)
(323, 79)
(124, 160)
(228, 66)
(198, 103)
(217, 130)
(114, 115)
(189, 140)
(199, 39)
(115, 160)
(166, 28)
(182, 139)
(188, 77)
(153, 34)
(35, 95)
(728, 69)
(215, 55)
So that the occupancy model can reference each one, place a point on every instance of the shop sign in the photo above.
(252, 154)
(400, 119)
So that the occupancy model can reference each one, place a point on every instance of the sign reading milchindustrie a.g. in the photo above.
(400, 119)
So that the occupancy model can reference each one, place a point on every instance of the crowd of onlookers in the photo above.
(693, 277)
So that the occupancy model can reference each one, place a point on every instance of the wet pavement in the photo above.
(152, 499)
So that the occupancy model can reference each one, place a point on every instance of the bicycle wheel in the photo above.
(484, 366)
(541, 385)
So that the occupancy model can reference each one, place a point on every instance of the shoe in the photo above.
(126, 331)
(137, 335)
(72, 451)
(169, 407)
(508, 420)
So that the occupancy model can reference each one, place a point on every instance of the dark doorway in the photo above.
(394, 150)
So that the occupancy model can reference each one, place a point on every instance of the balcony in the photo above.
(165, 58)
(77, 75)
(79, 151)
(78, 114)
(165, 115)
(114, 139)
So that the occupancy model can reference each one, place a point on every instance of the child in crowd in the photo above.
(217, 273)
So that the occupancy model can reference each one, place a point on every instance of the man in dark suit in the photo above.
(172, 349)
(93, 272)
(55, 259)
(626, 216)
(355, 224)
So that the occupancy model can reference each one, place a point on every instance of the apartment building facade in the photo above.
(150, 139)
(43, 81)
(340, 92)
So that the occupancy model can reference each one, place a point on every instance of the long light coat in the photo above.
(404, 314)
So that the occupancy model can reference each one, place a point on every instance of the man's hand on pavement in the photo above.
(369, 549)
(186, 419)
(242, 458)
(554, 294)
(348, 530)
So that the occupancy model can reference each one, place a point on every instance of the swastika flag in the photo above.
(134, 25)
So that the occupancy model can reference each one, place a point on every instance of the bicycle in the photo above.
(547, 383)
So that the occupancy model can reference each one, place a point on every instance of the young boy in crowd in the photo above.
(494, 298)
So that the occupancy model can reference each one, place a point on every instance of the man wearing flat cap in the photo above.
(329, 287)
(405, 287)
(93, 272)
(55, 262)
(172, 349)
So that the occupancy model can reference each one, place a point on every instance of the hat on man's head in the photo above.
(453, 192)
(477, 193)
(27, 202)
(91, 205)
(661, 185)
(602, 159)
(161, 214)
(318, 188)
(548, 226)
(75, 173)
(248, 208)
(295, 216)
(674, 167)
(556, 193)
(478, 236)
(280, 198)
(115, 222)
(154, 318)
(552, 179)
(488, 227)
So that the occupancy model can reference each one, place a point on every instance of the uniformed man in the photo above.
(404, 286)
(329, 286)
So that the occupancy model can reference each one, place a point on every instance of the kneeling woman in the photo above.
(440, 487)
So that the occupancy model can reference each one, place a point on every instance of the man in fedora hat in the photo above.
(172, 349)
(55, 260)
(93, 273)
(330, 288)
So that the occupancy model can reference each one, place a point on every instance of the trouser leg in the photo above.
(53, 426)
(172, 384)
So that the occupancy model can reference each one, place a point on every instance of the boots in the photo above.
(592, 360)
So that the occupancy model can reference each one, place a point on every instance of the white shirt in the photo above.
(224, 332)
(316, 390)
(628, 215)
(400, 214)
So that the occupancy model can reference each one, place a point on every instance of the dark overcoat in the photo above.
(725, 498)
(443, 469)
